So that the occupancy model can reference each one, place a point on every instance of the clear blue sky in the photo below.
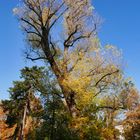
(121, 28)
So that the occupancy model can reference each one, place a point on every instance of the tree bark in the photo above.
(23, 123)
(70, 100)
(60, 75)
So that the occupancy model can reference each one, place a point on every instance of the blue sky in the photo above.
(120, 28)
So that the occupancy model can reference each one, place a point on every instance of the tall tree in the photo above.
(42, 21)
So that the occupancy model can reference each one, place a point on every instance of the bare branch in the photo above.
(34, 59)
(57, 18)
(34, 40)
(67, 40)
(35, 21)
(100, 90)
(108, 74)
(74, 65)
(82, 37)
(32, 8)
(32, 32)
(77, 60)
(110, 107)
(92, 72)
(52, 14)
(26, 21)
(53, 47)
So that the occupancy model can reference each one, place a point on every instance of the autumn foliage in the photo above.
(81, 93)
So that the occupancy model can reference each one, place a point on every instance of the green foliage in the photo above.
(23, 94)
(82, 92)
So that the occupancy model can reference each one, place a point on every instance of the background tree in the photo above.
(24, 108)
(5, 131)
(132, 121)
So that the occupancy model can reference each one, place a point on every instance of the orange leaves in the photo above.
(5, 131)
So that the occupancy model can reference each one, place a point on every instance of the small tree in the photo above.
(23, 106)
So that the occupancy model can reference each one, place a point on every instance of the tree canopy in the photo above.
(81, 93)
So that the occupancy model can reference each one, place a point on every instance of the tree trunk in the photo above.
(52, 123)
(70, 100)
(23, 123)
(60, 75)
